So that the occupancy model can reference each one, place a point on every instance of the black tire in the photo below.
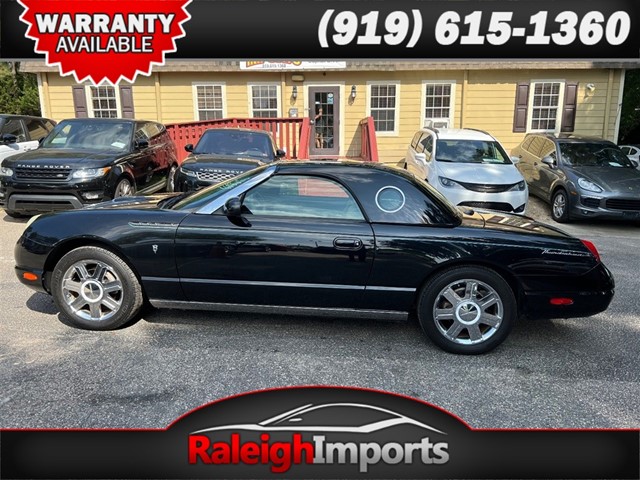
(91, 299)
(14, 214)
(124, 188)
(171, 179)
(560, 206)
(490, 324)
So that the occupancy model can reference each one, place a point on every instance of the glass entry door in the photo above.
(325, 115)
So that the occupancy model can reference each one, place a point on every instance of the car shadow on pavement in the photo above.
(9, 219)
(42, 303)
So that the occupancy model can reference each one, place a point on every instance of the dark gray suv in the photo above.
(580, 177)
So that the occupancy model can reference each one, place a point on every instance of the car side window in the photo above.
(527, 143)
(428, 146)
(420, 146)
(49, 125)
(536, 145)
(303, 197)
(548, 150)
(397, 200)
(14, 126)
(626, 150)
(36, 129)
(415, 140)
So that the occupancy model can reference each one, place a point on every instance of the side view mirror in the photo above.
(280, 153)
(141, 144)
(421, 157)
(189, 147)
(8, 139)
(233, 207)
(515, 159)
(549, 161)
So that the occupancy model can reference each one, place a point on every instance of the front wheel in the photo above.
(124, 188)
(467, 310)
(95, 289)
(560, 206)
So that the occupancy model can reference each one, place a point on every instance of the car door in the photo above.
(428, 167)
(14, 127)
(301, 241)
(535, 165)
(410, 160)
(548, 174)
(141, 160)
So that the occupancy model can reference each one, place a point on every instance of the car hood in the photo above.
(506, 222)
(622, 180)
(227, 162)
(61, 158)
(488, 174)
(136, 203)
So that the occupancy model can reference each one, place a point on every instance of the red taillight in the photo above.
(561, 301)
(592, 248)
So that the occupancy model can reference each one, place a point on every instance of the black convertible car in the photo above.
(330, 238)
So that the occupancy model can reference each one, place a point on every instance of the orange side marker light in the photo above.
(32, 277)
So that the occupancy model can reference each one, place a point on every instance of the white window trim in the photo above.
(560, 105)
(87, 93)
(396, 131)
(423, 102)
(194, 91)
(278, 86)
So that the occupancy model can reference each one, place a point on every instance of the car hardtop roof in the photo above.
(238, 129)
(460, 134)
(326, 166)
(571, 137)
(11, 115)
(110, 120)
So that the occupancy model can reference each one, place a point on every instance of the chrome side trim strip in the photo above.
(312, 311)
(273, 284)
(280, 284)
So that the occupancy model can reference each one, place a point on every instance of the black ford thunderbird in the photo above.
(333, 238)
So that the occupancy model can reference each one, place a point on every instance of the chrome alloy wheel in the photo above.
(92, 290)
(559, 205)
(123, 189)
(468, 311)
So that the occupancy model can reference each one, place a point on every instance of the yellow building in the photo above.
(507, 99)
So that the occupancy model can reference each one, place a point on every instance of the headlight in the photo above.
(447, 182)
(6, 172)
(90, 172)
(589, 186)
(188, 173)
(518, 187)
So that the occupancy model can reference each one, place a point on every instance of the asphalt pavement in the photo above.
(579, 373)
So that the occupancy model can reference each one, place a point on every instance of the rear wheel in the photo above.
(467, 310)
(560, 206)
(95, 289)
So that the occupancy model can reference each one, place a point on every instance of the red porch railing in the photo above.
(368, 142)
(290, 134)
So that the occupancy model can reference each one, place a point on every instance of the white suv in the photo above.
(469, 167)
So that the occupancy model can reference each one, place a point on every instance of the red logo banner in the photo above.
(105, 40)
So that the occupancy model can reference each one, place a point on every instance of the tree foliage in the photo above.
(18, 91)
(630, 115)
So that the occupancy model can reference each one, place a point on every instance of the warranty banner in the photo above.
(320, 432)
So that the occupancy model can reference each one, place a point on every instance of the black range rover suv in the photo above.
(87, 161)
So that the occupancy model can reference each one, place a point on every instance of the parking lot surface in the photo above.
(579, 373)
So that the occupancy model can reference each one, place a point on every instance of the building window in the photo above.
(383, 106)
(103, 101)
(209, 102)
(438, 103)
(545, 105)
(264, 101)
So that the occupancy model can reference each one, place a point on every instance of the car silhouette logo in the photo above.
(295, 420)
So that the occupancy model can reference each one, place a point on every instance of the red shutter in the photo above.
(568, 122)
(80, 101)
(522, 103)
(126, 101)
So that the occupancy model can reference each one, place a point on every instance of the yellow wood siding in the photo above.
(484, 99)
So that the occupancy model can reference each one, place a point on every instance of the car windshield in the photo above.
(93, 135)
(202, 197)
(236, 143)
(471, 151)
(594, 155)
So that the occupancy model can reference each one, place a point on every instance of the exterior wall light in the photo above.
(353, 92)
(294, 92)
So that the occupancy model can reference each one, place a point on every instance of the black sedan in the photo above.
(333, 238)
(223, 153)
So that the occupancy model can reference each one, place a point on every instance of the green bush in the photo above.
(18, 91)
